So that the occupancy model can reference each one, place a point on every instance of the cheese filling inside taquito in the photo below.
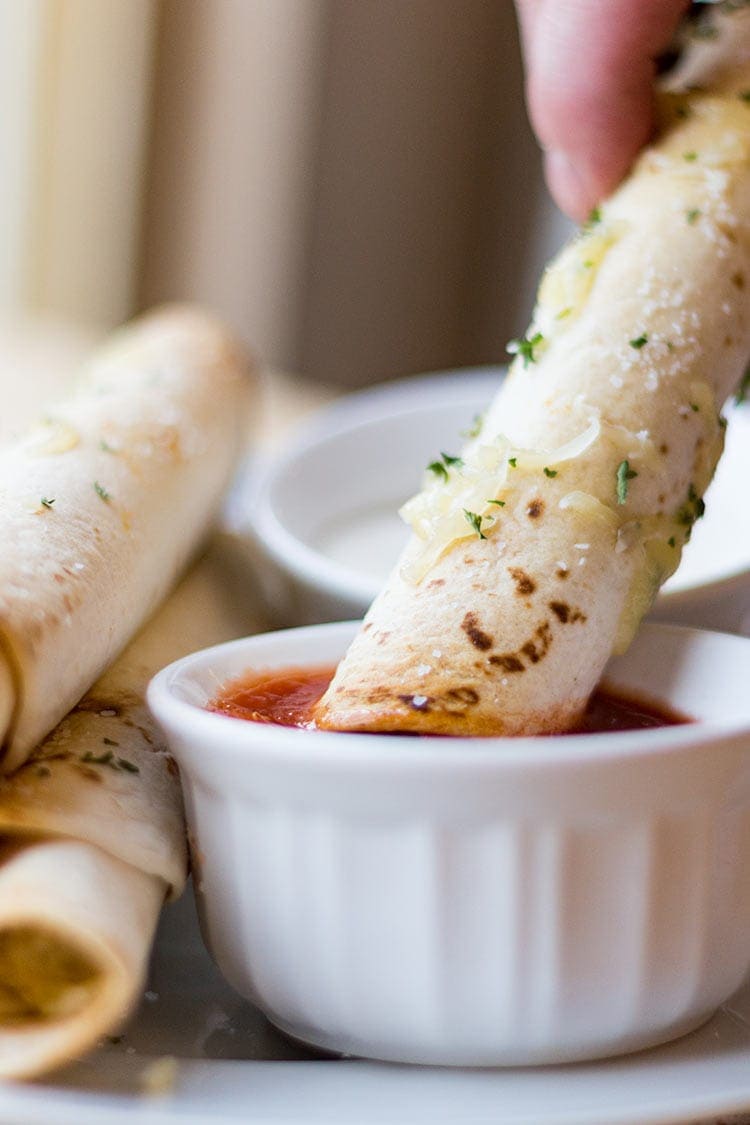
(537, 549)
(103, 503)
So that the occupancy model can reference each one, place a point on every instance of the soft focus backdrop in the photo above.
(352, 183)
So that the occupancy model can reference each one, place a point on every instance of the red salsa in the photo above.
(287, 697)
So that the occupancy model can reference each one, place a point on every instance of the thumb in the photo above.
(590, 88)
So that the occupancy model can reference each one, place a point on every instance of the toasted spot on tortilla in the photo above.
(481, 640)
(508, 661)
(525, 584)
(535, 509)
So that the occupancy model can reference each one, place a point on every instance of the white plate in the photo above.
(233, 1067)
(328, 513)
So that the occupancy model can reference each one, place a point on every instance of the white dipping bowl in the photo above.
(325, 515)
(474, 902)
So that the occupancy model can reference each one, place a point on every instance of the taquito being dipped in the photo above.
(93, 840)
(103, 503)
(536, 552)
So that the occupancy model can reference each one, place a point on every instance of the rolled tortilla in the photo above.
(103, 503)
(536, 555)
(94, 839)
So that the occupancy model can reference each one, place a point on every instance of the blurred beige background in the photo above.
(352, 183)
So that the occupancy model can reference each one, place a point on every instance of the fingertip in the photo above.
(568, 186)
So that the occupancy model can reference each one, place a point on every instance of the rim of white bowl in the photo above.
(307, 564)
(240, 737)
(313, 568)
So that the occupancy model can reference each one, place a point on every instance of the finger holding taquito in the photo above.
(103, 503)
(537, 552)
(94, 840)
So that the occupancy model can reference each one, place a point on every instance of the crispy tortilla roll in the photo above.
(93, 840)
(103, 503)
(537, 552)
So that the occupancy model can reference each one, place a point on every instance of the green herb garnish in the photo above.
(671, 541)
(690, 156)
(595, 217)
(106, 758)
(110, 742)
(513, 462)
(639, 341)
(695, 408)
(475, 428)
(46, 503)
(693, 215)
(744, 388)
(499, 503)
(440, 468)
(476, 522)
(550, 472)
(525, 347)
(101, 491)
(624, 475)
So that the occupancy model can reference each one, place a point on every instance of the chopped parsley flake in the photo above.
(624, 475)
(695, 408)
(499, 503)
(110, 742)
(46, 503)
(513, 462)
(107, 758)
(639, 341)
(671, 541)
(476, 522)
(106, 447)
(744, 388)
(588, 264)
(690, 156)
(550, 472)
(693, 215)
(475, 428)
(524, 347)
(563, 313)
(693, 509)
(101, 491)
(595, 216)
(440, 468)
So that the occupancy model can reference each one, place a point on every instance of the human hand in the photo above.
(590, 67)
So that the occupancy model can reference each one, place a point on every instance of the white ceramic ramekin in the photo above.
(474, 902)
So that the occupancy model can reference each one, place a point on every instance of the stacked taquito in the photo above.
(537, 549)
(102, 504)
(100, 509)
